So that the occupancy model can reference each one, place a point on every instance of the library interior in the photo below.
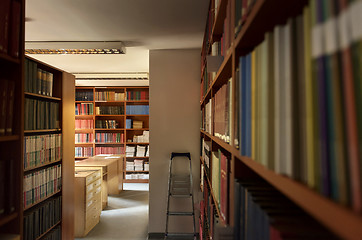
(208, 119)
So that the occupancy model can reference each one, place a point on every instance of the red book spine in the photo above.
(351, 125)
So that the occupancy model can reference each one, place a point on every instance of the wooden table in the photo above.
(112, 166)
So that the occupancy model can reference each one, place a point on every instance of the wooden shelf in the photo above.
(42, 96)
(42, 165)
(137, 101)
(83, 157)
(122, 115)
(47, 231)
(104, 101)
(136, 180)
(323, 209)
(8, 58)
(137, 129)
(85, 116)
(8, 218)
(133, 143)
(41, 200)
(83, 101)
(9, 138)
(111, 143)
(42, 131)
(84, 143)
(109, 129)
(218, 26)
(84, 129)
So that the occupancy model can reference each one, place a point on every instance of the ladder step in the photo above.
(181, 235)
(180, 213)
(180, 195)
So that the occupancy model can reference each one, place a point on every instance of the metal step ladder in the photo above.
(180, 186)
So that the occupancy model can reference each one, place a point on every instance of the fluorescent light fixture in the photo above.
(74, 47)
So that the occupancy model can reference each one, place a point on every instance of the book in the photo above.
(3, 181)
(224, 187)
(3, 105)
(10, 108)
(14, 31)
(4, 25)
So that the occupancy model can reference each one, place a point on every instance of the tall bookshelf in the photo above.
(281, 119)
(48, 165)
(112, 120)
(11, 123)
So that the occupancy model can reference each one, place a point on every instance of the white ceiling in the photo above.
(142, 25)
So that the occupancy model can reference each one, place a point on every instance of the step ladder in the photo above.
(180, 186)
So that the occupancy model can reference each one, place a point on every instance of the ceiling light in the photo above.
(77, 47)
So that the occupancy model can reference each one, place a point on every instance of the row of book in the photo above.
(208, 215)
(137, 165)
(83, 95)
(109, 138)
(84, 152)
(137, 176)
(261, 212)
(109, 110)
(131, 123)
(137, 95)
(299, 101)
(144, 138)
(207, 116)
(137, 151)
(137, 109)
(7, 188)
(39, 220)
(41, 149)
(10, 27)
(84, 138)
(42, 183)
(109, 96)
(84, 109)
(54, 234)
(223, 112)
(84, 123)
(7, 89)
(108, 124)
(109, 150)
(40, 114)
(37, 80)
(242, 10)
(206, 154)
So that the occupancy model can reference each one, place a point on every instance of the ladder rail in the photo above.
(171, 191)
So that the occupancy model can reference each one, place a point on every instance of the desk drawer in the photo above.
(93, 177)
(95, 200)
(93, 185)
(94, 192)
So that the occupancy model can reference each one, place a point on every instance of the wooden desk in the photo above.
(112, 169)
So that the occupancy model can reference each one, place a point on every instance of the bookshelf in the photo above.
(11, 123)
(47, 165)
(280, 113)
(112, 120)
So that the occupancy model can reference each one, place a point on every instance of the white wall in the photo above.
(174, 123)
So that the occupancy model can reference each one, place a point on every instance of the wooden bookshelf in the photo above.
(332, 216)
(124, 97)
(12, 23)
(53, 122)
